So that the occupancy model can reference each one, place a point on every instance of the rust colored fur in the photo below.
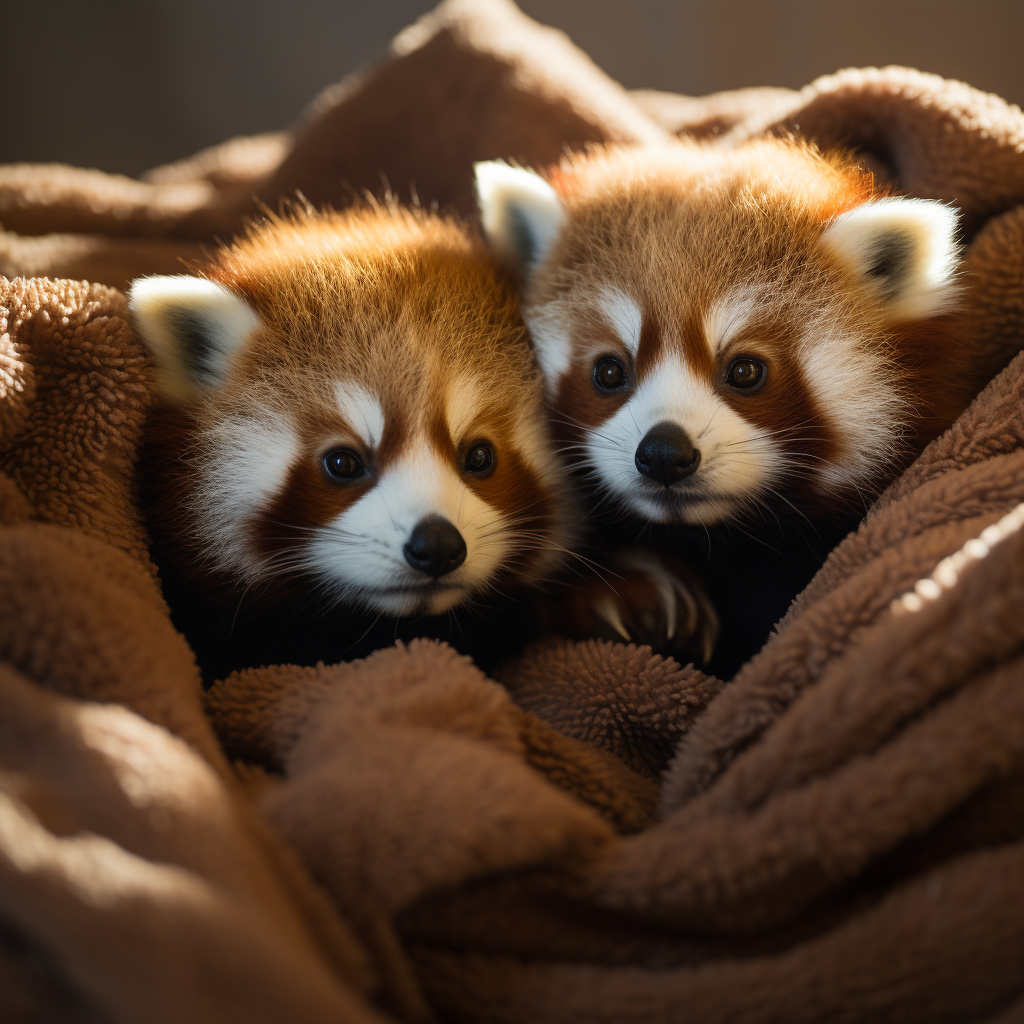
(401, 306)
(682, 227)
(682, 260)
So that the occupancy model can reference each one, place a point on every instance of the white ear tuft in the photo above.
(191, 327)
(521, 213)
(904, 249)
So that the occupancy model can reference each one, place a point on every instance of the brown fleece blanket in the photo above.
(836, 835)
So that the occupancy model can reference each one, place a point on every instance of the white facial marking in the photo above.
(245, 462)
(361, 410)
(737, 458)
(361, 554)
(728, 316)
(552, 343)
(532, 442)
(849, 381)
(462, 406)
(624, 315)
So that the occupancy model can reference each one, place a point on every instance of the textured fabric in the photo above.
(598, 835)
(131, 866)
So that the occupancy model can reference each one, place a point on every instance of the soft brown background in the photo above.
(180, 76)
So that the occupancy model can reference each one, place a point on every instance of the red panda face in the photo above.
(717, 327)
(362, 412)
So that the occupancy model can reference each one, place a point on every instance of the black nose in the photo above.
(666, 454)
(435, 547)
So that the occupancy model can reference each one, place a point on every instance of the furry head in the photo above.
(720, 327)
(355, 413)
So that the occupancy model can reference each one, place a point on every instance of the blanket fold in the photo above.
(121, 826)
(599, 835)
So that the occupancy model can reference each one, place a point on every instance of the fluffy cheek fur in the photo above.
(866, 405)
(358, 555)
(260, 510)
(738, 462)
(242, 461)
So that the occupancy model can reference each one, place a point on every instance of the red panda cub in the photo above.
(725, 331)
(352, 430)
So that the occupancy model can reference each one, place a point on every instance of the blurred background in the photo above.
(124, 85)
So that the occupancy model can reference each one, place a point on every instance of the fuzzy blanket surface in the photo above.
(600, 835)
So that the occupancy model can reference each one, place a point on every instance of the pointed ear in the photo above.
(903, 249)
(191, 327)
(521, 213)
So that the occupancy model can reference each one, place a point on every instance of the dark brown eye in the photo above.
(480, 459)
(343, 466)
(745, 374)
(609, 374)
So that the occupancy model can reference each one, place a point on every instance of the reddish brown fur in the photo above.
(678, 228)
(410, 308)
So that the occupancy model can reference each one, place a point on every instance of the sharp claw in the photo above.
(701, 620)
(709, 634)
(708, 646)
(608, 610)
(691, 606)
(668, 598)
